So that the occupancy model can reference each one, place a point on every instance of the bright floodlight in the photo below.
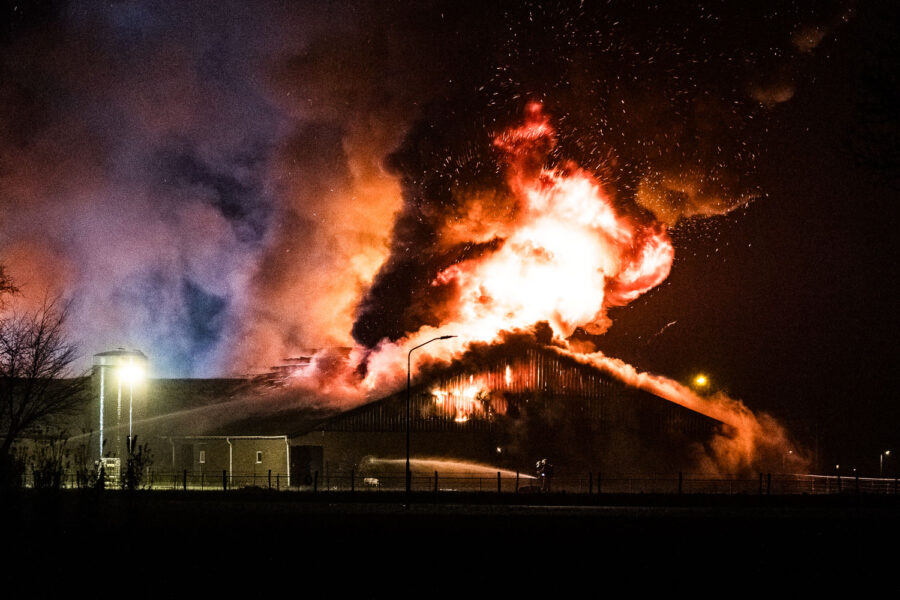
(701, 380)
(131, 373)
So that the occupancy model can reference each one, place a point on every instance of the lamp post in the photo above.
(408, 395)
(132, 373)
(119, 414)
(783, 456)
(101, 411)
(881, 462)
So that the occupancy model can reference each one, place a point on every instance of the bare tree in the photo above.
(6, 285)
(36, 382)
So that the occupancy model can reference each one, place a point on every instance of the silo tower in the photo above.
(118, 378)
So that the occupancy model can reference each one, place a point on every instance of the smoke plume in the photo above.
(225, 185)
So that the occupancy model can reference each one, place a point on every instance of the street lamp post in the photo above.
(783, 456)
(101, 411)
(132, 373)
(119, 414)
(881, 462)
(408, 395)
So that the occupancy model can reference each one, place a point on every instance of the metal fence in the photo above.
(499, 482)
(597, 483)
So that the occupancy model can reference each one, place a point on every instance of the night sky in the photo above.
(217, 183)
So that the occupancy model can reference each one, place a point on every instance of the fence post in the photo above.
(316, 482)
(277, 482)
(498, 482)
(202, 481)
(517, 482)
(590, 483)
(184, 480)
(435, 482)
(680, 482)
(352, 478)
(760, 484)
(224, 480)
(270, 479)
(840, 485)
(768, 484)
(857, 483)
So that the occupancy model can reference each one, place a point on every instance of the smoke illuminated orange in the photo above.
(570, 255)
(567, 257)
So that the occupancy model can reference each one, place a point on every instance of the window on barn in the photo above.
(258, 456)
(202, 456)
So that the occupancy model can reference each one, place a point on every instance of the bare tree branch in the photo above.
(36, 380)
(6, 286)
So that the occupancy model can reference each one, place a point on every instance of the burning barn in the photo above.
(506, 405)
(510, 409)
(547, 253)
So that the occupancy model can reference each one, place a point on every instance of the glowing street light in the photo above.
(131, 373)
(881, 462)
(783, 456)
(408, 393)
(701, 381)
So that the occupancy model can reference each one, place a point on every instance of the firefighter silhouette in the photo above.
(544, 470)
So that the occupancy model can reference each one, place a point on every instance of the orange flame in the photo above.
(570, 256)
(746, 440)
(567, 257)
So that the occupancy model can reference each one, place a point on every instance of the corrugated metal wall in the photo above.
(477, 399)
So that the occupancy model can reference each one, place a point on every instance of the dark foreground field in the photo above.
(272, 541)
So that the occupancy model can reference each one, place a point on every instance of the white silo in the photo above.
(120, 375)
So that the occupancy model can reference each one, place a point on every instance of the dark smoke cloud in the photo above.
(658, 100)
(216, 183)
(133, 167)
(354, 92)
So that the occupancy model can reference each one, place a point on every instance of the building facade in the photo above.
(510, 410)
(241, 461)
(500, 407)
